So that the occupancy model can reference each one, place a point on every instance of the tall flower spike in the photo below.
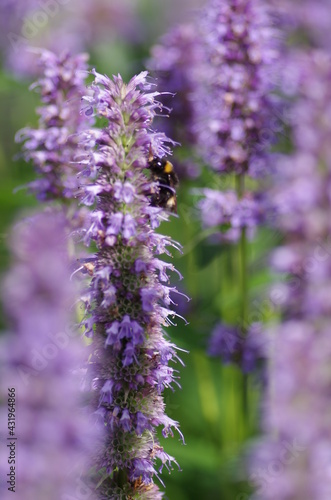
(53, 146)
(41, 362)
(128, 302)
(234, 111)
(235, 122)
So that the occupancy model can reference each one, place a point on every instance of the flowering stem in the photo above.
(128, 301)
(243, 279)
(240, 188)
(243, 283)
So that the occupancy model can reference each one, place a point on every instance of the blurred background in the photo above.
(119, 35)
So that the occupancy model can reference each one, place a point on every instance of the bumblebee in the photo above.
(166, 180)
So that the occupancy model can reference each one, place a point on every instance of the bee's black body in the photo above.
(165, 177)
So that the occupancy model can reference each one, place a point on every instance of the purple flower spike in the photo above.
(53, 146)
(233, 105)
(234, 111)
(129, 354)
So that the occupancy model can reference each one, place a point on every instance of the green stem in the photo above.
(243, 284)
(243, 279)
(121, 477)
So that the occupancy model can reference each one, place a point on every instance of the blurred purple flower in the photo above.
(255, 348)
(229, 344)
(233, 106)
(301, 189)
(43, 360)
(175, 60)
(53, 146)
(12, 13)
(130, 356)
(311, 18)
(224, 342)
(296, 463)
(225, 209)
(57, 25)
